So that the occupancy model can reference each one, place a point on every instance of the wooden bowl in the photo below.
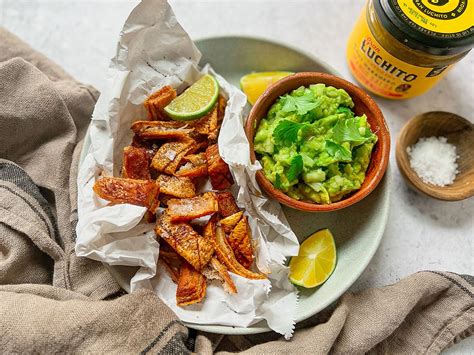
(363, 103)
(459, 132)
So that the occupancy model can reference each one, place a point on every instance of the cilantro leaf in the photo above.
(346, 110)
(278, 181)
(299, 104)
(347, 131)
(296, 168)
(286, 132)
(338, 151)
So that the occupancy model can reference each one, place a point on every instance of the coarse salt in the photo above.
(434, 160)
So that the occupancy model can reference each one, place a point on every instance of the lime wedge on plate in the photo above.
(254, 84)
(316, 260)
(195, 101)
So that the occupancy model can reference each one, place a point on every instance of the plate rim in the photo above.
(378, 235)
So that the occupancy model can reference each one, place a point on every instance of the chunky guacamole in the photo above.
(312, 146)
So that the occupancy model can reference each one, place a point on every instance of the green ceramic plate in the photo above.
(357, 229)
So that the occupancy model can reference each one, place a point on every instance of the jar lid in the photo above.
(438, 27)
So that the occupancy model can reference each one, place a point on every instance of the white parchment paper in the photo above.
(153, 51)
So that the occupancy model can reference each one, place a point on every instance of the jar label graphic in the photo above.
(442, 18)
(381, 72)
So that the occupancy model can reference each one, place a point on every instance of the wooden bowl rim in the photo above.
(383, 142)
(444, 193)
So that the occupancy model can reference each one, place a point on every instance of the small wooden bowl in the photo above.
(459, 132)
(363, 103)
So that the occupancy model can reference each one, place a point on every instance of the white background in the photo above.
(422, 233)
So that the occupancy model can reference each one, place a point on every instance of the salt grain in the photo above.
(434, 160)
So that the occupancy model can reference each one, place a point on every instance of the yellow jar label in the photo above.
(381, 72)
(444, 18)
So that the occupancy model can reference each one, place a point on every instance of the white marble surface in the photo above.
(421, 234)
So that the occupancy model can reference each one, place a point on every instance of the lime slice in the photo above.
(316, 260)
(253, 85)
(195, 101)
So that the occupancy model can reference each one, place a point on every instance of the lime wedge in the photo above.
(316, 260)
(254, 84)
(195, 101)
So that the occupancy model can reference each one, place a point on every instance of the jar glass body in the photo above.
(388, 67)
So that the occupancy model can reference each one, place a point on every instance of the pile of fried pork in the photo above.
(161, 168)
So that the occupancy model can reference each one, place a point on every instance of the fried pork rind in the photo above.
(229, 223)
(207, 125)
(121, 190)
(161, 129)
(169, 155)
(227, 205)
(239, 241)
(223, 273)
(187, 209)
(157, 101)
(218, 169)
(182, 187)
(195, 166)
(191, 286)
(195, 249)
(226, 256)
(135, 163)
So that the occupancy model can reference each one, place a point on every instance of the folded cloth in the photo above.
(52, 301)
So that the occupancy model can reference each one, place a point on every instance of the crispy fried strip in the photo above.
(191, 171)
(195, 249)
(191, 286)
(207, 125)
(195, 166)
(239, 241)
(226, 256)
(229, 285)
(218, 169)
(135, 163)
(169, 156)
(227, 205)
(186, 209)
(176, 186)
(157, 101)
(161, 129)
(136, 192)
(174, 274)
(222, 103)
(229, 223)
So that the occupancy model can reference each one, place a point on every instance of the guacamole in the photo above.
(312, 146)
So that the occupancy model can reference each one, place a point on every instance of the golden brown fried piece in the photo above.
(161, 129)
(229, 223)
(191, 286)
(223, 273)
(195, 249)
(135, 163)
(221, 105)
(218, 169)
(207, 125)
(186, 209)
(195, 166)
(226, 256)
(157, 101)
(172, 271)
(136, 192)
(169, 156)
(227, 205)
(239, 241)
(176, 186)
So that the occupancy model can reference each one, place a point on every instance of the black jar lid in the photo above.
(438, 27)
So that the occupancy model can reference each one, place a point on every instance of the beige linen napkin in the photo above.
(52, 301)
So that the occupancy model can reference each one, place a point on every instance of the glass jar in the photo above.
(400, 48)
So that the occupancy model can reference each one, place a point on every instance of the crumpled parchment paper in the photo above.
(153, 51)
